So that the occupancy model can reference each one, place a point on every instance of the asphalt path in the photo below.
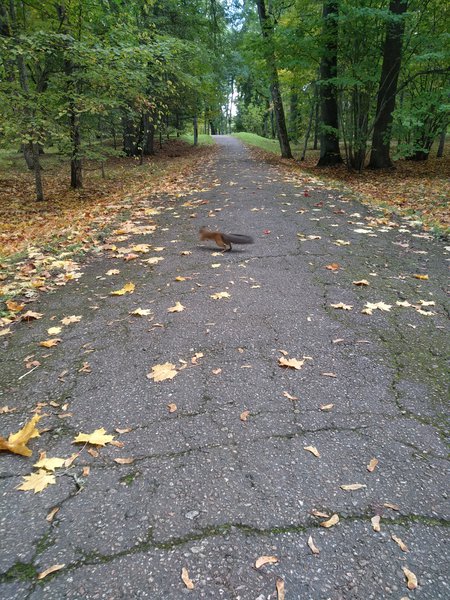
(225, 478)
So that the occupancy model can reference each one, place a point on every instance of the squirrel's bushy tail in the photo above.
(237, 238)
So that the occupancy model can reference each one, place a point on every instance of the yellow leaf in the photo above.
(128, 288)
(361, 282)
(54, 330)
(16, 442)
(333, 267)
(37, 481)
(342, 305)
(313, 450)
(177, 308)
(411, 579)
(292, 363)
(372, 464)
(402, 545)
(314, 549)
(265, 560)
(333, 520)
(423, 277)
(49, 464)
(220, 295)
(50, 343)
(186, 579)
(353, 486)
(50, 570)
(376, 523)
(162, 372)
(141, 312)
(71, 319)
(180, 278)
(14, 306)
(143, 248)
(154, 260)
(97, 438)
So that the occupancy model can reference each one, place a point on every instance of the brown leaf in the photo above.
(326, 407)
(31, 316)
(400, 542)
(186, 579)
(51, 514)
(172, 407)
(313, 450)
(353, 486)
(124, 461)
(52, 569)
(376, 523)
(333, 520)
(86, 368)
(292, 363)
(411, 579)
(329, 374)
(14, 306)
(86, 471)
(177, 308)
(361, 282)
(265, 560)
(50, 343)
(280, 588)
(333, 267)
(288, 395)
(123, 430)
(217, 371)
(318, 513)
(372, 465)
(71, 319)
(391, 506)
(244, 415)
(314, 549)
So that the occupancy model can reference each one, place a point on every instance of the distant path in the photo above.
(212, 486)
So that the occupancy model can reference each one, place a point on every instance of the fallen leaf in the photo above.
(280, 588)
(186, 579)
(51, 514)
(402, 545)
(93, 452)
(14, 306)
(288, 395)
(123, 430)
(112, 272)
(314, 549)
(31, 316)
(371, 306)
(50, 570)
(50, 343)
(265, 560)
(427, 313)
(86, 368)
(318, 513)
(376, 523)
(391, 506)
(329, 374)
(403, 303)
(427, 302)
(353, 487)
(333, 520)
(313, 450)
(5, 331)
(117, 444)
(71, 319)
(195, 358)
(424, 278)
(411, 579)
(217, 371)
(180, 278)
(361, 282)
(372, 465)
(36, 482)
(128, 288)
(177, 308)
(292, 363)
(141, 312)
(244, 415)
(49, 464)
(220, 295)
(342, 306)
(17, 442)
(162, 372)
(96, 438)
(172, 407)
(69, 461)
(54, 330)
(333, 267)
(325, 407)
(86, 471)
(5, 410)
(341, 243)
(124, 461)
(154, 260)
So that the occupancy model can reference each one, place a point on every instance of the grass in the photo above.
(418, 189)
(203, 139)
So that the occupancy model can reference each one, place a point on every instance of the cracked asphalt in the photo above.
(208, 491)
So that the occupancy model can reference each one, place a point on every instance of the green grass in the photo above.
(256, 140)
(203, 140)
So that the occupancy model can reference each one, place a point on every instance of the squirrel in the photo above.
(223, 239)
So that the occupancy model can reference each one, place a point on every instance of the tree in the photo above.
(390, 71)
(329, 136)
(267, 30)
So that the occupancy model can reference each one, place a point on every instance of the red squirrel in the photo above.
(223, 240)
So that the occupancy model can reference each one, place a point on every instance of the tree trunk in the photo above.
(440, 152)
(293, 114)
(76, 173)
(267, 30)
(390, 70)
(329, 135)
(316, 118)
(195, 123)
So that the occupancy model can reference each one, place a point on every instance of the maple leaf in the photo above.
(49, 464)
(342, 306)
(54, 330)
(31, 316)
(403, 303)
(128, 288)
(36, 481)
(14, 306)
(143, 248)
(154, 260)
(141, 312)
(163, 372)
(288, 395)
(220, 295)
(50, 343)
(177, 308)
(17, 442)
(96, 438)
(371, 306)
(292, 363)
(71, 319)
(326, 407)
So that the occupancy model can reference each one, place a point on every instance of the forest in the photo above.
(363, 82)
